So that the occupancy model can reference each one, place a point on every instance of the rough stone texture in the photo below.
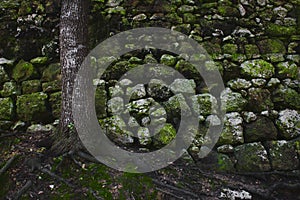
(100, 99)
(157, 89)
(10, 89)
(23, 71)
(115, 105)
(183, 86)
(144, 136)
(176, 105)
(239, 84)
(232, 132)
(288, 123)
(285, 97)
(168, 60)
(283, 155)
(259, 100)
(136, 92)
(53, 86)
(165, 135)
(288, 70)
(232, 101)
(6, 108)
(271, 46)
(252, 157)
(31, 86)
(51, 73)
(204, 104)
(32, 107)
(36, 128)
(261, 129)
(257, 69)
(55, 102)
(39, 60)
(3, 75)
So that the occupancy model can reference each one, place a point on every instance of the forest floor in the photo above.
(27, 172)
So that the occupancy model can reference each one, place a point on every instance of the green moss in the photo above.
(251, 50)
(252, 157)
(55, 102)
(228, 11)
(257, 69)
(31, 86)
(271, 46)
(39, 60)
(286, 97)
(165, 135)
(189, 18)
(51, 73)
(224, 163)
(10, 89)
(279, 30)
(32, 107)
(287, 70)
(23, 71)
(6, 108)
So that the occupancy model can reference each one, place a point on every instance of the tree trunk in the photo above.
(73, 49)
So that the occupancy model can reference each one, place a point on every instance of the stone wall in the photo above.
(255, 44)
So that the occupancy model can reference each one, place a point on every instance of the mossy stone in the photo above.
(33, 107)
(186, 9)
(288, 70)
(187, 69)
(225, 164)
(55, 103)
(259, 99)
(23, 71)
(10, 89)
(288, 123)
(168, 60)
(283, 155)
(39, 60)
(261, 129)
(3, 75)
(52, 86)
(230, 48)
(183, 28)
(232, 132)
(165, 135)
(204, 104)
(232, 101)
(174, 18)
(252, 157)
(228, 11)
(101, 99)
(271, 46)
(279, 30)
(251, 50)
(189, 18)
(31, 86)
(257, 68)
(51, 73)
(6, 109)
(286, 97)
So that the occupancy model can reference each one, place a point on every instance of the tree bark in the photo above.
(73, 49)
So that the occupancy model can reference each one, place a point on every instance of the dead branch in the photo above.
(182, 191)
(169, 193)
(22, 190)
(7, 165)
(46, 171)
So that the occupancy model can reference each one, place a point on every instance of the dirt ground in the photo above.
(27, 171)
